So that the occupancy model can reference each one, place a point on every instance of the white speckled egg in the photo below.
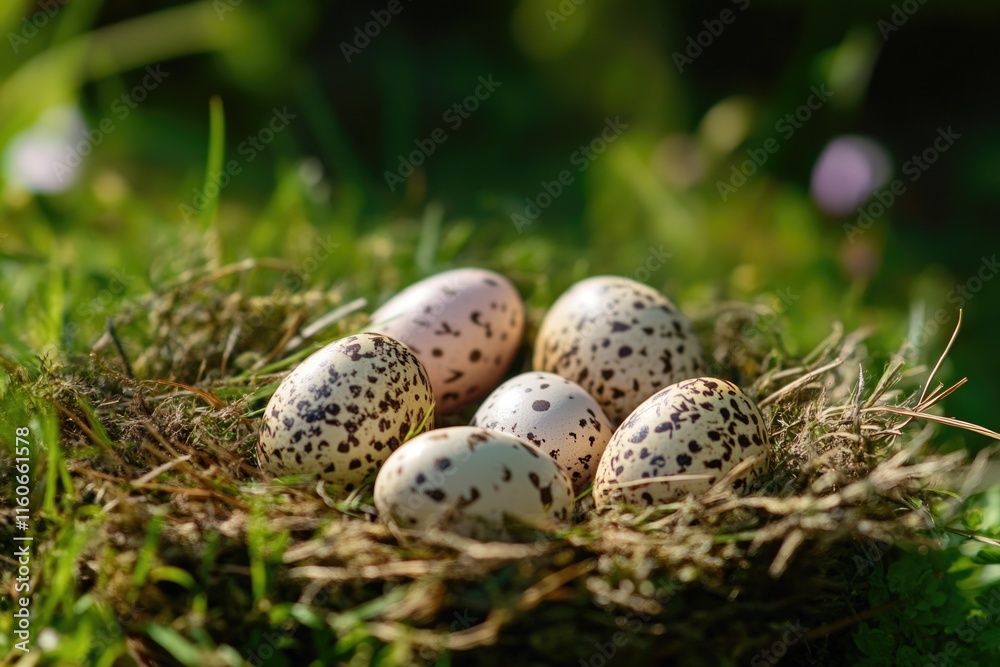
(344, 409)
(699, 426)
(471, 481)
(557, 415)
(620, 340)
(465, 326)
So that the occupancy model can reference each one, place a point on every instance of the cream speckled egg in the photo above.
(471, 481)
(620, 340)
(703, 425)
(557, 415)
(465, 326)
(342, 410)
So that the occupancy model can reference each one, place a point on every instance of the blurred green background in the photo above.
(317, 112)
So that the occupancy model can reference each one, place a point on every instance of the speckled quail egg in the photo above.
(701, 426)
(344, 409)
(620, 340)
(465, 326)
(557, 415)
(473, 482)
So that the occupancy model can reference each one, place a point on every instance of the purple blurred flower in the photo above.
(847, 172)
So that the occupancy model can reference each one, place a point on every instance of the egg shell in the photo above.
(703, 425)
(342, 410)
(557, 415)
(465, 326)
(471, 480)
(620, 340)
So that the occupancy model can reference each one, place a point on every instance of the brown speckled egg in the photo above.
(342, 411)
(620, 340)
(700, 426)
(465, 326)
(557, 415)
(471, 481)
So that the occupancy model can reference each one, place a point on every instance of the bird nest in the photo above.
(189, 545)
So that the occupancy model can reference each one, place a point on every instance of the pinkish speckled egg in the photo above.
(465, 326)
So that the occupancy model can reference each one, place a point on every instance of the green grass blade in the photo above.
(183, 651)
(55, 466)
(430, 238)
(144, 561)
(213, 166)
(56, 302)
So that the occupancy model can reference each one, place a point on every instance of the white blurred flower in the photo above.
(48, 640)
(44, 158)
